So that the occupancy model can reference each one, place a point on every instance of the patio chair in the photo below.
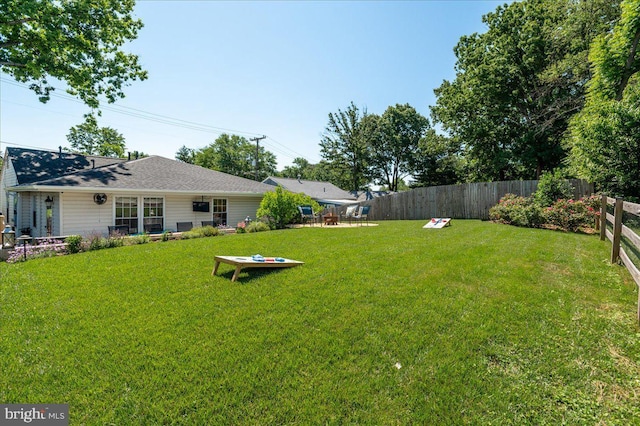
(350, 213)
(118, 229)
(153, 228)
(184, 226)
(363, 214)
(306, 214)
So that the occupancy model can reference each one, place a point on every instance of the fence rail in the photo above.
(618, 231)
(465, 201)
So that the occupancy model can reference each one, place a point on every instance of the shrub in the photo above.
(519, 211)
(268, 220)
(282, 206)
(257, 226)
(205, 231)
(138, 239)
(571, 215)
(74, 244)
(112, 241)
(95, 241)
(551, 187)
(166, 236)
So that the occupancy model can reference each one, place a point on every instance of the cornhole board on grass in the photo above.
(241, 262)
(438, 222)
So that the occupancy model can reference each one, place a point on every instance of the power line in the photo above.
(138, 113)
(167, 120)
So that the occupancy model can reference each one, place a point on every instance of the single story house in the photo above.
(56, 193)
(325, 193)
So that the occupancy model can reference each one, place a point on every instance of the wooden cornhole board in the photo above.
(248, 262)
(438, 222)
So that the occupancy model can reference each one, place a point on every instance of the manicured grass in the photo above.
(477, 323)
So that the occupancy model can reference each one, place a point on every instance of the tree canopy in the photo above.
(76, 41)
(518, 84)
(605, 135)
(90, 139)
(345, 149)
(232, 154)
(394, 138)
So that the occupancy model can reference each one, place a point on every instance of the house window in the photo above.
(220, 211)
(127, 213)
(153, 214)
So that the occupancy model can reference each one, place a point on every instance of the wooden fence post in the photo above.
(603, 217)
(617, 230)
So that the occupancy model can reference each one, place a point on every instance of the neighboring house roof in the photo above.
(369, 195)
(315, 189)
(152, 174)
(32, 165)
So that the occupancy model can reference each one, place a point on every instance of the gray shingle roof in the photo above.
(315, 189)
(32, 165)
(155, 173)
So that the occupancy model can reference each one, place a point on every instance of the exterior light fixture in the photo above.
(23, 239)
(49, 203)
(8, 237)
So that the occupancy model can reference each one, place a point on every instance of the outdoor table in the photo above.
(330, 219)
(248, 262)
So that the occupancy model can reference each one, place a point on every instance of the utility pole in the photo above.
(257, 141)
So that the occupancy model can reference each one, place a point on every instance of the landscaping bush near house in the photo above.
(281, 206)
(74, 244)
(201, 232)
(257, 226)
(138, 239)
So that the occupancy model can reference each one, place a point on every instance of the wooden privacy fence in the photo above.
(465, 201)
(619, 231)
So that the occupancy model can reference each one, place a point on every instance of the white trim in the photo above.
(61, 213)
(226, 212)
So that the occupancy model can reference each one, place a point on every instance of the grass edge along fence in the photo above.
(619, 230)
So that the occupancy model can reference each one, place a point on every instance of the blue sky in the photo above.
(260, 68)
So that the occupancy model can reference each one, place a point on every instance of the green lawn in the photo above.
(477, 323)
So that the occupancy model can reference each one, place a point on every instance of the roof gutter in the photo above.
(85, 190)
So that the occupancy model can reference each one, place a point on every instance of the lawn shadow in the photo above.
(249, 274)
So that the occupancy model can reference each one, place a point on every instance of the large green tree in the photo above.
(605, 135)
(518, 84)
(90, 139)
(345, 150)
(437, 161)
(394, 138)
(186, 155)
(235, 155)
(76, 41)
(303, 169)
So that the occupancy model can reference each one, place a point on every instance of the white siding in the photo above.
(84, 217)
(178, 208)
(34, 207)
(241, 207)
(7, 178)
